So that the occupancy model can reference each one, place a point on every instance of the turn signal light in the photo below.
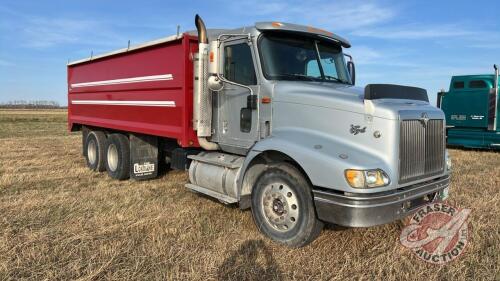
(366, 178)
(355, 178)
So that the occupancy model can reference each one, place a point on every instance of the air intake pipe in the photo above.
(202, 101)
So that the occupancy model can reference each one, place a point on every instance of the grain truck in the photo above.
(472, 112)
(267, 117)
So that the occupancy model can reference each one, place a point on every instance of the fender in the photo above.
(323, 157)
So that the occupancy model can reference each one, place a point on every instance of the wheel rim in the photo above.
(92, 152)
(112, 157)
(280, 206)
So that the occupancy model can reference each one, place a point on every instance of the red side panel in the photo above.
(145, 91)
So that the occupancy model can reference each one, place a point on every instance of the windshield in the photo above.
(290, 57)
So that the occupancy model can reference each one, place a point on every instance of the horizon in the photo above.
(408, 43)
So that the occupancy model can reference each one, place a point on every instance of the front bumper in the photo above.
(363, 210)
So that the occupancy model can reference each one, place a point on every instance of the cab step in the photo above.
(219, 196)
(219, 159)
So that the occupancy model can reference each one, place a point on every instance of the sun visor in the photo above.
(388, 91)
(302, 29)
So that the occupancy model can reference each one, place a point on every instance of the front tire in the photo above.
(283, 207)
(118, 156)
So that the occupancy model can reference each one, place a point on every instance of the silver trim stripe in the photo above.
(151, 78)
(128, 103)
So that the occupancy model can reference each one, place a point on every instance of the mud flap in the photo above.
(143, 157)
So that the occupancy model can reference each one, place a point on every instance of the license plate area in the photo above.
(443, 195)
(415, 203)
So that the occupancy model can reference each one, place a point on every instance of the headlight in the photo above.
(366, 178)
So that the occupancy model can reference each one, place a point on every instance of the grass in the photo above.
(32, 123)
(59, 220)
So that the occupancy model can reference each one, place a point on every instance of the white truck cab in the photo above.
(287, 133)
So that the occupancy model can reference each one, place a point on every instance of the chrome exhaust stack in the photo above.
(202, 100)
(493, 103)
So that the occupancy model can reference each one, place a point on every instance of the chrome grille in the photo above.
(421, 149)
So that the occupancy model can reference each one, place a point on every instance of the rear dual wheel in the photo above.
(94, 150)
(118, 156)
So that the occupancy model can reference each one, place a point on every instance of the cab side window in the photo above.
(238, 64)
(459, 85)
(475, 84)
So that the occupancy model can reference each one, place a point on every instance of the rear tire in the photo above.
(283, 207)
(118, 156)
(94, 150)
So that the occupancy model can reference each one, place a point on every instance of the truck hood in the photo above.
(344, 97)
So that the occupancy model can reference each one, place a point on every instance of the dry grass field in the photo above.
(59, 220)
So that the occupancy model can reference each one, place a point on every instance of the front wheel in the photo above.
(283, 207)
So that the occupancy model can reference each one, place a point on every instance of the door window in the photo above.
(238, 64)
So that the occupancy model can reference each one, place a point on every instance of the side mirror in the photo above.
(352, 71)
(213, 57)
(214, 83)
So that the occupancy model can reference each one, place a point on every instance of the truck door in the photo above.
(238, 121)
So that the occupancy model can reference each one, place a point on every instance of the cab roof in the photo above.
(476, 81)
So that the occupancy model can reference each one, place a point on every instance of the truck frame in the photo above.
(266, 117)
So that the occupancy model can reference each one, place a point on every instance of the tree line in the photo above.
(35, 104)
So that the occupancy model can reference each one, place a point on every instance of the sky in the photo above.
(416, 43)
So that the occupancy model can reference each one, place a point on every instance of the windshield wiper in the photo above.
(328, 77)
(295, 76)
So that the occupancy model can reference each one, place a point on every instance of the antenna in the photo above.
(128, 46)
(178, 29)
(91, 54)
